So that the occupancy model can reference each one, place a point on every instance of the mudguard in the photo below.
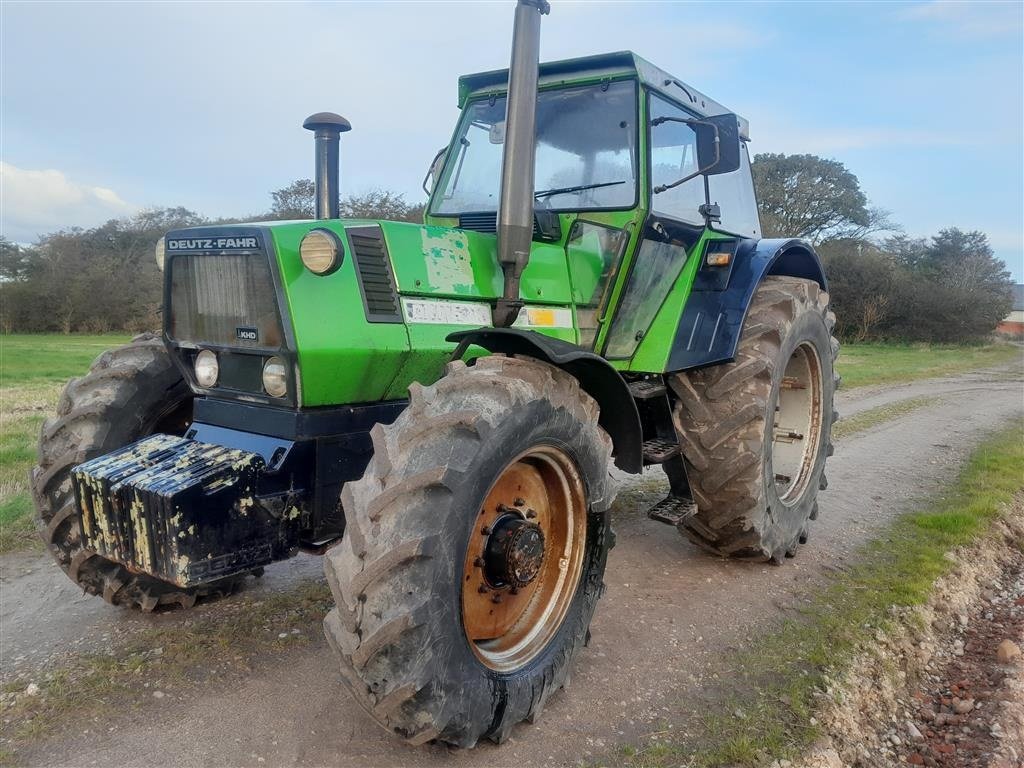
(709, 329)
(619, 416)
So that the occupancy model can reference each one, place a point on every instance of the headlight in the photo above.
(207, 369)
(161, 245)
(275, 377)
(321, 251)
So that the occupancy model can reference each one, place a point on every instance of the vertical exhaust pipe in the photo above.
(327, 128)
(515, 209)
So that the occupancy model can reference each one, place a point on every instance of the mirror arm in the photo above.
(430, 168)
(718, 153)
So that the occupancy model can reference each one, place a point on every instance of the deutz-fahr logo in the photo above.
(247, 333)
(213, 243)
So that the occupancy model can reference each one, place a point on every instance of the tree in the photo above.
(863, 284)
(297, 201)
(98, 279)
(812, 197)
(381, 204)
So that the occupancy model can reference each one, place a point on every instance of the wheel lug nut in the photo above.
(519, 502)
(531, 513)
(482, 589)
(486, 530)
(479, 562)
(495, 598)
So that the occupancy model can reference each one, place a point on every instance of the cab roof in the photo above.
(600, 67)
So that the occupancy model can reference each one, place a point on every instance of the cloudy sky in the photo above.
(110, 107)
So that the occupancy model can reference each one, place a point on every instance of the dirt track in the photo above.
(668, 610)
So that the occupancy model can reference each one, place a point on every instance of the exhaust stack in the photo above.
(515, 210)
(327, 128)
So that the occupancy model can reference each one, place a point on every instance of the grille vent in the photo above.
(380, 298)
(486, 222)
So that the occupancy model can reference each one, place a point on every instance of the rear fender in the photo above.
(709, 329)
(619, 416)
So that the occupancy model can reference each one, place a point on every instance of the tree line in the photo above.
(884, 284)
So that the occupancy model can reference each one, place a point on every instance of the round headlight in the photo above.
(161, 245)
(275, 377)
(207, 369)
(321, 251)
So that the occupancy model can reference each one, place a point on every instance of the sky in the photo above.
(108, 108)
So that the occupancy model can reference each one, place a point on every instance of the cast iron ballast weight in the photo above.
(435, 407)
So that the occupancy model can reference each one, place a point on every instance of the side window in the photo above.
(594, 254)
(656, 267)
(673, 156)
(734, 193)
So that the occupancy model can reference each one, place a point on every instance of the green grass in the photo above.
(874, 416)
(776, 681)
(864, 364)
(33, 370)
(49, 358)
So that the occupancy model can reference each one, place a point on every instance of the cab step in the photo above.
(658, 450)
(645, 389)
(673, 510)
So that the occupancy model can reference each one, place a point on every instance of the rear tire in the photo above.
(755, 476)
(403, 575)
(129, 393)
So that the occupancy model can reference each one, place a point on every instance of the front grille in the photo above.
(218, 299)
(380, 298)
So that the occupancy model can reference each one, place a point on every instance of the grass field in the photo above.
(864, 364)
(34, 368)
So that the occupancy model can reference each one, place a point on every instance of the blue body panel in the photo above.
(709, 330)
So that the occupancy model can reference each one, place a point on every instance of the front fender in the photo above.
(619, 416)
(709, 329)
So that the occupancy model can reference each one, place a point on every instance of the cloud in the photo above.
(967, 21)
(38, 202)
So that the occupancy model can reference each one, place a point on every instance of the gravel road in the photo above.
(668, 611)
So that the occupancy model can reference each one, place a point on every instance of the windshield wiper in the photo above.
(578, 188)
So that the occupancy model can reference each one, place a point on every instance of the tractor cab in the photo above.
(634, 171)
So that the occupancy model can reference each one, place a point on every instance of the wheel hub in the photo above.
(514, 553)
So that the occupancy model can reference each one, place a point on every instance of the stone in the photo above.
(32, 690)
(1007, 651)
(913, 732)
(158, 694)
(963, 706)
(915, 758)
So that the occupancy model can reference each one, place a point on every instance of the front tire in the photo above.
(755, 432)
(440, 635)
(130, 392)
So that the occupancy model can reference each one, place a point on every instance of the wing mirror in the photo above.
(434, 172)
(718, 145)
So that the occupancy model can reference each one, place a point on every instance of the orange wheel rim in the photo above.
(524, 559)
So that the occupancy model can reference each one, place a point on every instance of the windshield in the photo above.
(586, 152)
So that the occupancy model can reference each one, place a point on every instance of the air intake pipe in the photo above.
(327, 128)
(515, 209)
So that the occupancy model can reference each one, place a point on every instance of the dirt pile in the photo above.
(944, 685)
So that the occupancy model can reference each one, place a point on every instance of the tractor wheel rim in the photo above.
(796, 432)
(524, 559)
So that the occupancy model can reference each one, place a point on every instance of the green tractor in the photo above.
(437, 408)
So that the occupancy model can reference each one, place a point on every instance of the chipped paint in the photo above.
(446, 251)
(145, 506)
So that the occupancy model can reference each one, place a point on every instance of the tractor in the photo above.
(443, 410)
